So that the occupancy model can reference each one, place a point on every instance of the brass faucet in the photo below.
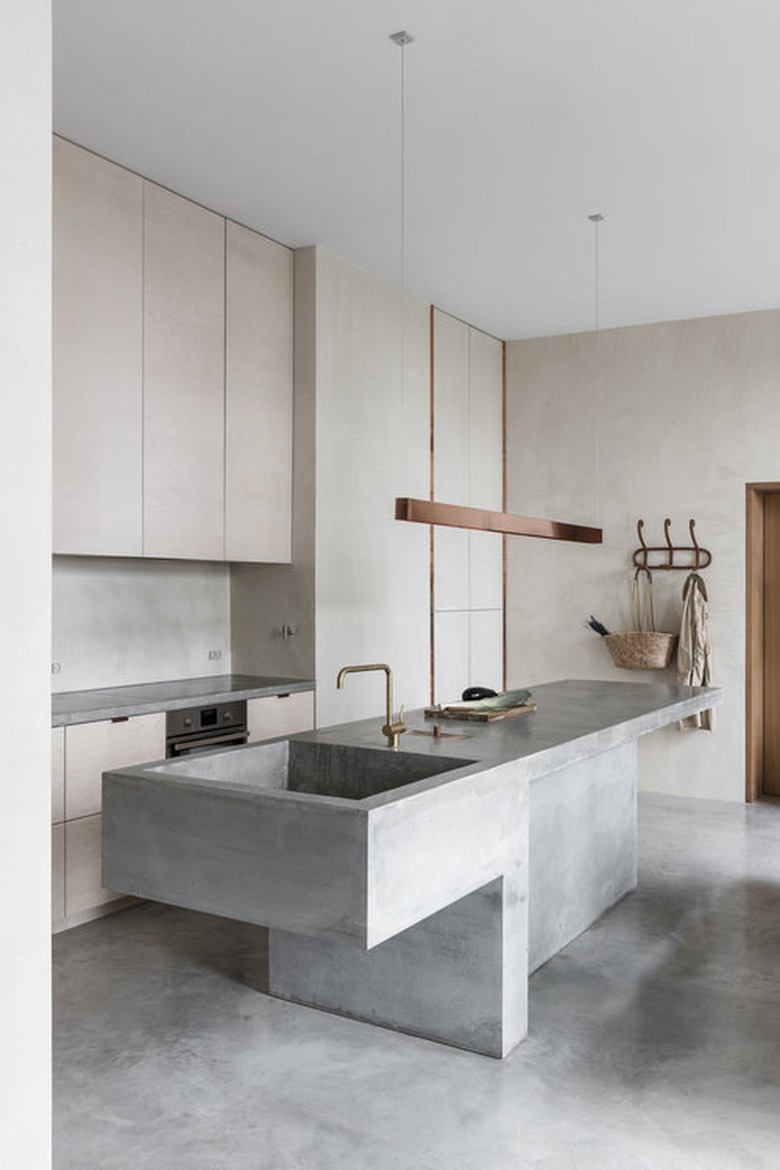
(393, 728)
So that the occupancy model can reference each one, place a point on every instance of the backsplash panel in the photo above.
(121, 621)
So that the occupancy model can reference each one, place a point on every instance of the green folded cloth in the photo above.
(502, 702)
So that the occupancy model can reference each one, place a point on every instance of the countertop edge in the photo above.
(99, 705)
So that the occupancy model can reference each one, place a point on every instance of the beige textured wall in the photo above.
(650, 421)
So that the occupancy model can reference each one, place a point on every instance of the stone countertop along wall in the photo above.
(171, 695)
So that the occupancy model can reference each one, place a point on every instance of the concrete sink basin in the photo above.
(316, 769)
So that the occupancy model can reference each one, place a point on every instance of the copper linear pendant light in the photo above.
(434, 512)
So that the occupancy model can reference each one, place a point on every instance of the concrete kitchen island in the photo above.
(415, 889)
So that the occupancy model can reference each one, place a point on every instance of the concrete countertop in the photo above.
(575, 719)
(119, 702)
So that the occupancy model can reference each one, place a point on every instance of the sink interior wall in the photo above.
(356, 773)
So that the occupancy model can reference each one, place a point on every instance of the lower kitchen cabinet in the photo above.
(83, 886)
(92, 748)
(275, 715)
(80, 755)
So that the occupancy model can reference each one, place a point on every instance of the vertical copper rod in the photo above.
(503, 507)
(432, 560)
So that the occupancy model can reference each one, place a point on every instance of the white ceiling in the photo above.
(523, 116)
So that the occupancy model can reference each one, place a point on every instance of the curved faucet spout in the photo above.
(393, 728)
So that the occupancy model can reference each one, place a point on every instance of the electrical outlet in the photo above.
(56, 667)
(214, 655)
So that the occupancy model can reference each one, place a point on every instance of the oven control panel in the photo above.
(200, 723)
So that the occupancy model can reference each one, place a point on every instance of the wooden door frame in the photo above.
(756, 494)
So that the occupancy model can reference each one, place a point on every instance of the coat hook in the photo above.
(640, 524)
(668, 539)
(695, 543)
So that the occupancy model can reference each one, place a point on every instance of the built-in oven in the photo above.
(200, 729)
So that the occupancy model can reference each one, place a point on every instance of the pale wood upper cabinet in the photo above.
(97, 274)
(184, 326)
(258, 397)
(450, 409)
(173, 381)
(486, 421)
(468, 442)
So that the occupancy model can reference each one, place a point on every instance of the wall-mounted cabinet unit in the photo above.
(97, 324)
(184, 387)
(258, 397)
(468, 573)
(173, 343)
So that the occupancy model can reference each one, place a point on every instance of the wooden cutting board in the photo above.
(475, 716)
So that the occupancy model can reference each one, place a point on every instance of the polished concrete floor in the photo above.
(654, 1039)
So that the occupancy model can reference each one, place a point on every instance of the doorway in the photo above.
(762, 643)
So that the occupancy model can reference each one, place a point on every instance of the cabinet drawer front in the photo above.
(83, 883)
(93, 748)
(276, 715)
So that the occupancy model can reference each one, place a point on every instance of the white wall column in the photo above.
(25, 479)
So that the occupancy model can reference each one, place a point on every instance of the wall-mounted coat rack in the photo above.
(671, 553)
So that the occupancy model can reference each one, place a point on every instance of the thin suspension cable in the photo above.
(402, 194)
(597, 219)
(402, 38)
(596, 281)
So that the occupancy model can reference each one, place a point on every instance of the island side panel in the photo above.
(427, 850)
(458, 978)
(582, 851)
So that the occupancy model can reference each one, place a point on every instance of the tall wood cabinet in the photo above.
(258, 377)
(97, 330)
(184, 380)
(173, 343)
(468, 425)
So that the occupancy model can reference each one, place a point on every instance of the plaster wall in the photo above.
(120, 621)
(372, 443)
(25, 488)
(649, 421)
(265, 598)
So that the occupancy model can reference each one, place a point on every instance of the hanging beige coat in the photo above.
(694, 650)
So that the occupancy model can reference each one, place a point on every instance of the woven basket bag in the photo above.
(643, 647)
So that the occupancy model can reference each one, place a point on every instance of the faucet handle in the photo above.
(400, 718)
